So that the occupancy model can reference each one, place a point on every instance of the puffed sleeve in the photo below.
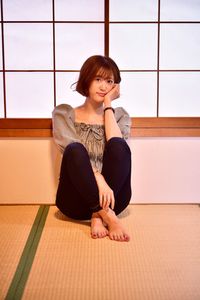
(64, 131)
(124, 121)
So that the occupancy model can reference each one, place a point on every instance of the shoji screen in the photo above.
(156, 44)
(180, 57)
(133, 44)
(45, 44)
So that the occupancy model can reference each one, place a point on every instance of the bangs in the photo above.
(105, 73)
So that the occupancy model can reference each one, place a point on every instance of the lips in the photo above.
(101, 94)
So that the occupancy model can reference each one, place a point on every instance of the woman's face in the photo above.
(101, 85)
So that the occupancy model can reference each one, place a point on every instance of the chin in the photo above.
(99, 100)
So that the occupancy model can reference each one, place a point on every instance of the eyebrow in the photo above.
(105, 77)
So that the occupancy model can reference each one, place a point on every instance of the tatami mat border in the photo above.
(17, 285)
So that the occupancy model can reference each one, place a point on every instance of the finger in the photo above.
(116, 85)
(117, 90)
(105, 202)
(108, 201)
(113, 202)
(101, 200)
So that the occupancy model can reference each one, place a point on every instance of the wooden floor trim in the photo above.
(141, 127)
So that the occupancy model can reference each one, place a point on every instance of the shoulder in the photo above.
(120, 112)
(63, 109)
(124, 121)
(122, 117)
(63, 114)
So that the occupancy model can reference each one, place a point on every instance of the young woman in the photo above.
(96, 165)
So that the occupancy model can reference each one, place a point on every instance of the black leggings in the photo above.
(78, 195)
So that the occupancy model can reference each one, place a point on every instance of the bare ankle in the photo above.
(108, 215)
(95, 215)
(116, 230)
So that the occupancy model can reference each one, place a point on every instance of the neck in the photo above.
(93, 107)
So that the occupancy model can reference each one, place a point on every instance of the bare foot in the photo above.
(98, 230)
(115, 228)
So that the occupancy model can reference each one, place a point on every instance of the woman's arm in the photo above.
(111, 127)
(106, 195)
(63, 126)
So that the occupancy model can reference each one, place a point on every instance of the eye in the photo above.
(110, 81)
(98, 79)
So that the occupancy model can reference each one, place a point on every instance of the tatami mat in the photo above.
(15, 225)
(161, 262)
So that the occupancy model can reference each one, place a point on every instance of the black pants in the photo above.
(78, 195)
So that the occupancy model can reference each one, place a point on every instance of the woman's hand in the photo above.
(106, 195)
(113, 94)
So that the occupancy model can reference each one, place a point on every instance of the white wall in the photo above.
(164, 170)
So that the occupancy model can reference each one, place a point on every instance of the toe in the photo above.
(106, 233)
(126, 238)
(94, 235)
(111, 236)
(100, 235)
(116, 237)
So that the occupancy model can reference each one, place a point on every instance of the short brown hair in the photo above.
(90, 69)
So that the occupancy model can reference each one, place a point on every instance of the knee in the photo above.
(118, 147)
(75, 152)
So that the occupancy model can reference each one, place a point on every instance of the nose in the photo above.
(103, 85)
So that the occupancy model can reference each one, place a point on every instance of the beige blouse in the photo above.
(92, 136)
